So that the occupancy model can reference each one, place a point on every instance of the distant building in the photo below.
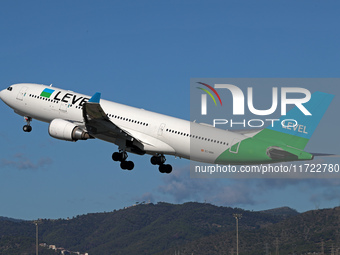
(52, 247)
(62, 251)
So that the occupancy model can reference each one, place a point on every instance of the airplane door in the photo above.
(161, 129)
(234, 148)
(63, 106)
(22, 93)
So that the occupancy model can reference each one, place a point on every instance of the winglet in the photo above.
(95, 98)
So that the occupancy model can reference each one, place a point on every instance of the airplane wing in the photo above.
(97, 122)
(99, 125)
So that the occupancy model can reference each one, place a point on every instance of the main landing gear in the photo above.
(27, 127)
(129, 165)
(160, 160)
(122, 156)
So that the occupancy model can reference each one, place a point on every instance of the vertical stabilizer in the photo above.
(295, 129)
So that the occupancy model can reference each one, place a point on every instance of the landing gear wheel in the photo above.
(127, 165)
(161, 169)
(157, 160)
(119, 156)
(130, 165)
(165, 168)
(115, 156)
(153, 160)
(168, 169)
(27, 128)
(123, 165)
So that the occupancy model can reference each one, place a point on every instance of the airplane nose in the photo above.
(2, 94)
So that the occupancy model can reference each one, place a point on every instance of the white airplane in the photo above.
(73, 116)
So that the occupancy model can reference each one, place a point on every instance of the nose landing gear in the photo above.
(27, 127)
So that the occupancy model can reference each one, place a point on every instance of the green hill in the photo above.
(147, 229)
(304, 233)
(183, 229)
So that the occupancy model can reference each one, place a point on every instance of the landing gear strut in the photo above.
(122, 156)
(27, 127)
(160, 160)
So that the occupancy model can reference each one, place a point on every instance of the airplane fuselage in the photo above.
(147, 132)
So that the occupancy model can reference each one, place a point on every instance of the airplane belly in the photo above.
(158, 147)
(204, 153)
(150, 144)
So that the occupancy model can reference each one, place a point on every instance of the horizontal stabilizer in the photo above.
(325, 155)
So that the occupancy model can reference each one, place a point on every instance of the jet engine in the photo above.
(65, 130)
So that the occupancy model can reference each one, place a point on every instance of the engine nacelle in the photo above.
(65, 130)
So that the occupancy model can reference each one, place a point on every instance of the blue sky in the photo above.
(143, 53)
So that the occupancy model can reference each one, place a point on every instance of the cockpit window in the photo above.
(9, 88)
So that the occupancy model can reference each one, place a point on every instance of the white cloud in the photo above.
(21, 162)
(179, 187)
